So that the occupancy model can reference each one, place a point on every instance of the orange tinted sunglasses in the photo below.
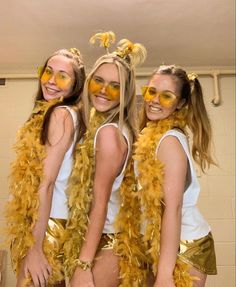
(112, 89)
(62, 79)
(166, 98)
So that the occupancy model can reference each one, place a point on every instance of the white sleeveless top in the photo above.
(59, 207)
(114, 201)
(193, 225)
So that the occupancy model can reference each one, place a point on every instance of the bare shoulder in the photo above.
(60, 125)
(171, 148)
(61, 114)
(111, 140)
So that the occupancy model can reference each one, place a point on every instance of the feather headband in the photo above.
(132, 53)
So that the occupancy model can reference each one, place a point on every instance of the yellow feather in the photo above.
(136, 51)
(25, 178)
(105, 39)
(138, 253)
(80, 194)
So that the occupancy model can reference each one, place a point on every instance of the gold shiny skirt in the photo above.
(199, 253)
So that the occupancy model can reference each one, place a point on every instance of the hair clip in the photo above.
(75, 52)
(192, 76)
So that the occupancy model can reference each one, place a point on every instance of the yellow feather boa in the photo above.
(79, 192)
(138, 253)
(25, 178)
(128, 238)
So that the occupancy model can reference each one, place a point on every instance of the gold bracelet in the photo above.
(84, 265)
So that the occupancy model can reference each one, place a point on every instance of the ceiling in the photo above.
(185, 32)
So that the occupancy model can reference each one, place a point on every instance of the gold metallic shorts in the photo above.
(55, 237)
(199, 253)
(107, 242)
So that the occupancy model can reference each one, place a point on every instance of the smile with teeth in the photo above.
(154, 109)
(51, 90)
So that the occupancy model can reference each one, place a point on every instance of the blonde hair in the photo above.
(125, 57)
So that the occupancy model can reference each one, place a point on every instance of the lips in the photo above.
(51, 90)
(154, 109)
(102, 99)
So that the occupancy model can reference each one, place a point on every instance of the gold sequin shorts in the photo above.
(199, 253)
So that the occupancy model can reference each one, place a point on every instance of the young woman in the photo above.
(37, 209)
(175, 233)
(110, 88)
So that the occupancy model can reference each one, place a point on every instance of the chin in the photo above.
(102, 107)
(152, 117)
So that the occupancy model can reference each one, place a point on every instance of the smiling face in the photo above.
(104, 87)
(163, 84)
(58, 78)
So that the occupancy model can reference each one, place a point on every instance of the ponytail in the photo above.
(200, 126)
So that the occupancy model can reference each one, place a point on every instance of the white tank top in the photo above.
(114, 201)
(59, 207)
(193, 225)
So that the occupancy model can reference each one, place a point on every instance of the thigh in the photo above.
(201, 277)
(20, 278)
(106, 269)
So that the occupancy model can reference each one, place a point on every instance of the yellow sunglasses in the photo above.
(62, 79)
(112, 89)
(166, 98)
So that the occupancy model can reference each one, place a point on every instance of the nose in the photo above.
(52, 79)
(156, 99)
(103, 89)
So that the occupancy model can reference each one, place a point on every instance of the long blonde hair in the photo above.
(125, 57)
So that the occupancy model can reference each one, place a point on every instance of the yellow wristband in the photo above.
(84, 265)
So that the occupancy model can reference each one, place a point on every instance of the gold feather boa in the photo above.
(79, 192)
(150, 196)
(128, 238)
(25, 179)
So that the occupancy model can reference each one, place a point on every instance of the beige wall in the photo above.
(217, 200)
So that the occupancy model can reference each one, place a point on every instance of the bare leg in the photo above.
(106, 269)
(193, 271)
(20, 276)
(202, 277)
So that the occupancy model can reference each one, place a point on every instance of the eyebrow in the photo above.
(114, 82)
(162, 91)
(61, 71)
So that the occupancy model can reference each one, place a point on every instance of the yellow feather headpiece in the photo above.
(132, 53)
(106, 39)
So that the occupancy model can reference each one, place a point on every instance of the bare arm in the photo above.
(60, 134)
(111, 150)
(174, 158)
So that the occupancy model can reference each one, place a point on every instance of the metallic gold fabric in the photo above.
(107, 242)
(55, 237)
(199, 253)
